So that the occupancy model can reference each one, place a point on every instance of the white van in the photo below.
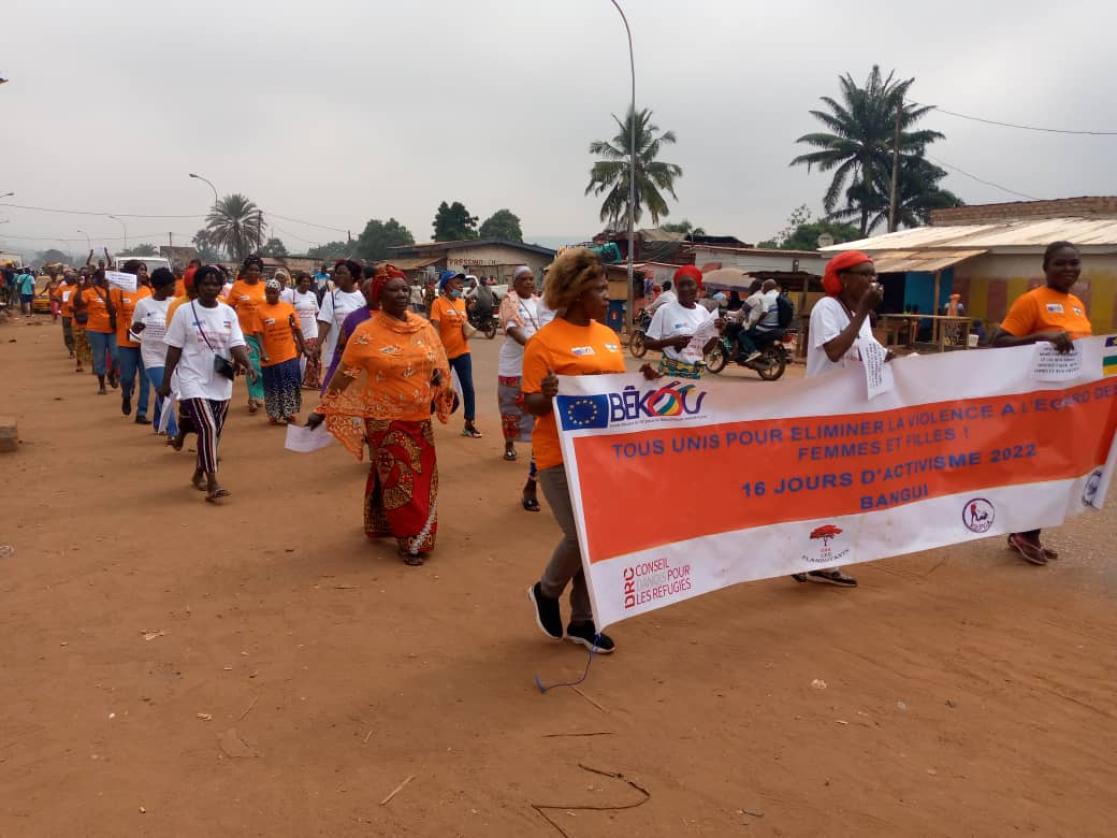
(152, 262)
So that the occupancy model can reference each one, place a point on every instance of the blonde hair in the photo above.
(568, 277)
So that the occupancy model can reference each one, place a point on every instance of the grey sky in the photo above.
(336, 111)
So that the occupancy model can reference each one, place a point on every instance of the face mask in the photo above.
(455, 295)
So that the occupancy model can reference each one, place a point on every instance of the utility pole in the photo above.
(893, 197)
(171, 239)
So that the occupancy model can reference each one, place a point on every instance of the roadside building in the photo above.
(496, 258)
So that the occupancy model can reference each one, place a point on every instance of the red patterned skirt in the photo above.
(402, 490)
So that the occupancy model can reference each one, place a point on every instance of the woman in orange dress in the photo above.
(246, 295)
(405, 378)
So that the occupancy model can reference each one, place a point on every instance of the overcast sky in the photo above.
(337, 111)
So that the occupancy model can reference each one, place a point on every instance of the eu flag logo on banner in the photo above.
(581, 412)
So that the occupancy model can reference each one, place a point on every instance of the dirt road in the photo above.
(170, 668)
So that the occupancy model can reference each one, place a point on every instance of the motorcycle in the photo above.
(769, 365)
(487, 325)
(640, 326)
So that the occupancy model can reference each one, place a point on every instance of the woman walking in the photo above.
(149, 324)
(519, 317)
(246, 295)
(64, 296)
(1049, 314)
(449, 319)
(337, 304)
(405, 377)
(206, 347)
(306, 307)
(576, 342)
(282, 342)
(127, 349)
(83, 352)
(94, 306)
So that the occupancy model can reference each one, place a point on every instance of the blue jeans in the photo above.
(101, 343)
(463, 366)
(132, 364)
(155, 376)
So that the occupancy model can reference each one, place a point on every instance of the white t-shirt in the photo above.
(546, 315)
(511, 363)
(662, 300)
(195, 376)
(673, 320)
(336, 306)
(287, 295)
(306, 307)
(153, 314)
(828, 320)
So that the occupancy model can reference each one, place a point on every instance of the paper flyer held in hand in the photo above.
(304, 440)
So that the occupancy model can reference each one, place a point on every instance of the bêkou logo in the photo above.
(674, 399)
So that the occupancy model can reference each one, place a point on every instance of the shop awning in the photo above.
(414, 263)
(922, 261)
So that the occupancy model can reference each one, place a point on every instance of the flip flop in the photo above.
(216, 496)
(413, 559)
(511, 456)
(530, 504)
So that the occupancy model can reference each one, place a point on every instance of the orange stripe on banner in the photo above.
(652, 487)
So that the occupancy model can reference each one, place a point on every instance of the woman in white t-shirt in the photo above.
(337, 304)
(305, 302)
(205, 347)
(838, 332)
(519, 317)
(676, 323)
(149, 324)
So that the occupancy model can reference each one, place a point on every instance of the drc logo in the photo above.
(978, 515)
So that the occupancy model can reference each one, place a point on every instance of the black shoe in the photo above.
(547, 614)
(586, 634)
(827, 577)
(142, 420)
(126, 405)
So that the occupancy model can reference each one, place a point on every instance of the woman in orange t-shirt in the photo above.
(449, 318)
(128, 349)
(94, 305)
(1053, 314)
(282, 345)
(576, 342)
(246, 295)
(64, 295)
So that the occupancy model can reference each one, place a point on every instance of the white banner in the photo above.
(123, 281)
(683, 487)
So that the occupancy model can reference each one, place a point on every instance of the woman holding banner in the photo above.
(1052, 314)
(576, 342)
(839, 333)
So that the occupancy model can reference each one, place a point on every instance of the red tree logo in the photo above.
(826, 532)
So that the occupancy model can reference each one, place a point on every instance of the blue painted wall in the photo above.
(919, 288)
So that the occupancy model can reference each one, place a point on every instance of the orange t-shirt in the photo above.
(565, 349)
(65, 295)
(125, 302)
(246, 299)
(451, 318)
(180, 288)
(173, 307)
(93, 301)
(274, 322)
(1045, 310)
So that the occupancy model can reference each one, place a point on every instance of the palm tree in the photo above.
(611, 174)
(917, 193)
(863, 126)
(236, 225)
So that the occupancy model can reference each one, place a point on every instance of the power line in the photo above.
(134, 237)
(1021, 127)
(307, 223)
(102, 214)
(981, 180)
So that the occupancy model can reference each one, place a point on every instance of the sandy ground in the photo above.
(170, 668)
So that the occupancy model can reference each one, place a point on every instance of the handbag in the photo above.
(221, 365)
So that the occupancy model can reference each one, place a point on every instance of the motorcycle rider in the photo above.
(763, 322)
(483, 302)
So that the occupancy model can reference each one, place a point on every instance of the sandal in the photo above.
(413, 559)
(530, 504)
(1029, 551)
(216, 496)
(252, 407)
(510, 456)
(472, 433)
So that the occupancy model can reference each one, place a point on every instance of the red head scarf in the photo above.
(831, 282)
(380, 279)
(691, 271)
(188, 277)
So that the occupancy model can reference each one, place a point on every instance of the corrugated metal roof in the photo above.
(414, 264)
(1037, 233)
(902, 261)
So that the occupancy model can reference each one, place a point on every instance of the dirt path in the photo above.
(259, 669)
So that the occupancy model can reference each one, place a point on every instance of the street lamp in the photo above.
(125, 226)
(631, 300)
(207, 181)
(88, 242)
(7, 195)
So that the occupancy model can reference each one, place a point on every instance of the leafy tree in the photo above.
(378, 236)
(610, 175)
(236, 225)
(330, 250)
(858, 146)
(274, 248)
(141, 250)
(684, 227)
(917, 193)
(452, 222)
(52, 255)
(802, 232)
(502, 224)
(208, 250)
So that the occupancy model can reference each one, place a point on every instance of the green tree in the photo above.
(141, 250)
(50, 256)
(208, 250)
(452, 222)
(802, 232)
(378, 236)
(917, 194)
(858, 146)
(610, 175)
(274, 248)
(330, 251)
(684, 227)
(236, 225)
(502, 224)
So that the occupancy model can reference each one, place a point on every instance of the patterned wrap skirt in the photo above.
(515, 421)
(679, 369)
(401, 495)
(283, 389)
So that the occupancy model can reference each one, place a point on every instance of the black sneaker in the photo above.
(547, 614)
(142, 420)
(126, 405)
(586, 634)
(831, 577)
